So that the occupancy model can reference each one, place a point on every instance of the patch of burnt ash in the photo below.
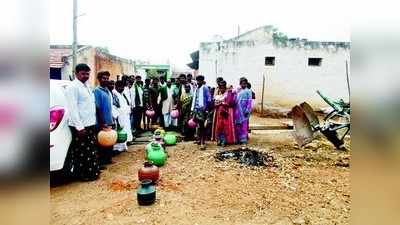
(248, 157)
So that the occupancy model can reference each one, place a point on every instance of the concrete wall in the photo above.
(290, 81)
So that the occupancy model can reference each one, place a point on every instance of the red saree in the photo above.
(223, 125)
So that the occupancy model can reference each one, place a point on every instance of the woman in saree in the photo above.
(223, 125)
(243, 107)
(186, 104)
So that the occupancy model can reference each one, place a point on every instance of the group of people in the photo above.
(220, 113)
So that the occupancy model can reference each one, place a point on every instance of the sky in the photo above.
(162, 31)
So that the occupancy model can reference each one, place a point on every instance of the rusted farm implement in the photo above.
(306, 122)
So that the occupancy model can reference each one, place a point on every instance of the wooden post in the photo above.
(262, 96)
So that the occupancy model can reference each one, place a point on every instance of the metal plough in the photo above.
(306, 122)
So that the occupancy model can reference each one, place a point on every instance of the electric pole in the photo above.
(347, 76)
(75, 36)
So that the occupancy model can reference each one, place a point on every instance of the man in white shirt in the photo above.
(124, 111)
(137, 102)
(82, 122)
(128, 96)
(193, 84)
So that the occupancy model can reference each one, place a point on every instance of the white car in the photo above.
(60, 133)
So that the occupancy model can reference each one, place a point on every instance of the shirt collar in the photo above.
(104, 89)
(80, 83)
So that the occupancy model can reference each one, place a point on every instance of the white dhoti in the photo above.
(124, 122)
(169, 121)
(120, 147)
(167, 107)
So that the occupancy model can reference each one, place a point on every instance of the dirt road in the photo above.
(306, 186)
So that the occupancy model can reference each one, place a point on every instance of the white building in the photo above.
(294, 68)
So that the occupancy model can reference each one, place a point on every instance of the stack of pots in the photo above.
(149, 174)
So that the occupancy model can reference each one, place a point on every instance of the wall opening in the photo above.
(314, 61)
(270, 61)
(55, 73)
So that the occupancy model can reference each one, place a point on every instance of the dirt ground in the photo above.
(304, 186)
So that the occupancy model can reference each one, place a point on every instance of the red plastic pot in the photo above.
(149, 172)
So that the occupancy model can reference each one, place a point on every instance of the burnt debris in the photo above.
(248, 157)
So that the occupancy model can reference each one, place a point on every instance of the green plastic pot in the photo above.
(122, 136)
(170, 139)
(156, 154)
(149, 147)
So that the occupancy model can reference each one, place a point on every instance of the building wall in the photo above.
(291, 81)
(55, 55)
(83, 56)
(99, 61)
(115, 67)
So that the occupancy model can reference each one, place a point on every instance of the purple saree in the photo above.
(243, 107)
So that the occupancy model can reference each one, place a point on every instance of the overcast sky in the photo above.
(161, 30)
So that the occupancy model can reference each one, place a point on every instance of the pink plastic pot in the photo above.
(150, 113)
(192, 124)
(174, 113)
